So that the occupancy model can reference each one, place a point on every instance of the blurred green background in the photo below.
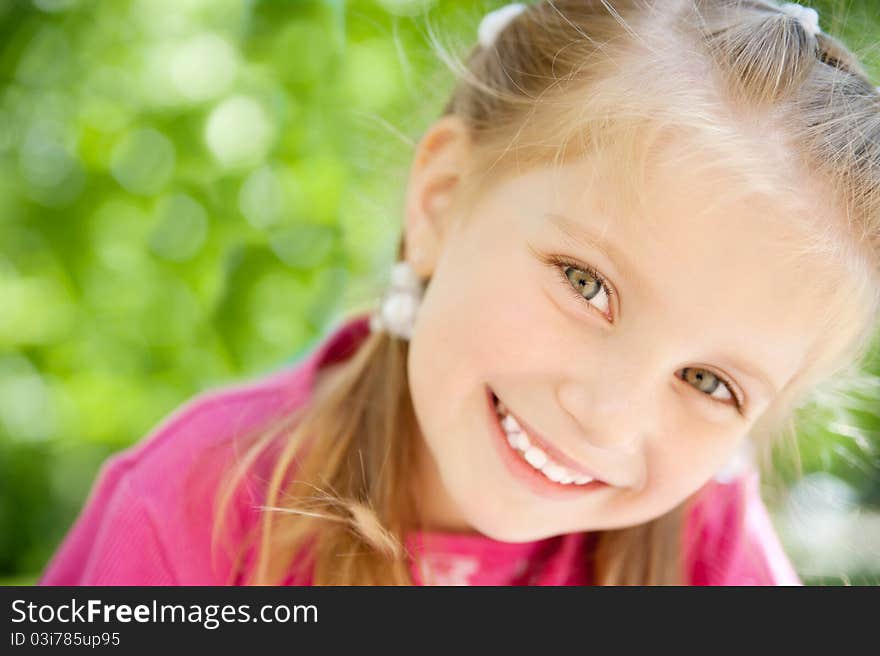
(193, 191)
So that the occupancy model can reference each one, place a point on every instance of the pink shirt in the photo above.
(148, 517)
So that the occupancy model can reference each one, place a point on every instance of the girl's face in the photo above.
(649, 379)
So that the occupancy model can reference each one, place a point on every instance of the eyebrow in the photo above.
(580, 234)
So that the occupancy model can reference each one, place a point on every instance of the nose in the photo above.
(612, 412)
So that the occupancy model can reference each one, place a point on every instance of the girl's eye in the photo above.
(709, 384)
(589, 286)
(583, 281)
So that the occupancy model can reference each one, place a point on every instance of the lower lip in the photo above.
(524, 472)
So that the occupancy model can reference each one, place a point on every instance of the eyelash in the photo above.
(560, 263)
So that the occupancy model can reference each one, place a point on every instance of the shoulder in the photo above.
(181, 469)
(731, 540)
(225, 413)
(149, 517)
(210, 422)
(151, 512)
(188, 450)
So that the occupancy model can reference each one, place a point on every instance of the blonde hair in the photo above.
(563, 79)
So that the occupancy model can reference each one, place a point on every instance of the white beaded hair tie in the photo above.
(495, 21)
(808, 17)
(397, 311)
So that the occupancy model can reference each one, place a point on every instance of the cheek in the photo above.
(443, 366)
(521, 320)
(678, 467)
(477, 315)
(427, 378)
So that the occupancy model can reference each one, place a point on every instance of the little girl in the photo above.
(637, 238)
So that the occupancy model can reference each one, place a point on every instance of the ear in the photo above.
(434, 183)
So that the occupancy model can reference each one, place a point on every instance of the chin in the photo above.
(502, 527)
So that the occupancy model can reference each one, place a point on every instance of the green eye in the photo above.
(708, 383)
(590, 286)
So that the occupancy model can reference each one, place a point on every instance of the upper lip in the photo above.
(552, 450)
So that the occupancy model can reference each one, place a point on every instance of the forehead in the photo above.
(700, 259)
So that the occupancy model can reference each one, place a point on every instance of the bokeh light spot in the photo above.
(238, 132)
(181, 226)
(25, 400)
(303, 246)
(143, 161)
(203, 67)
(261, 199)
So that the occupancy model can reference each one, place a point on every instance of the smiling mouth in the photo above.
(532, 457)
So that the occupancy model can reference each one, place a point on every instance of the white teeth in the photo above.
(553, 471)
(520, 441)
(511, 439)
(536, 457)
(509, 424)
